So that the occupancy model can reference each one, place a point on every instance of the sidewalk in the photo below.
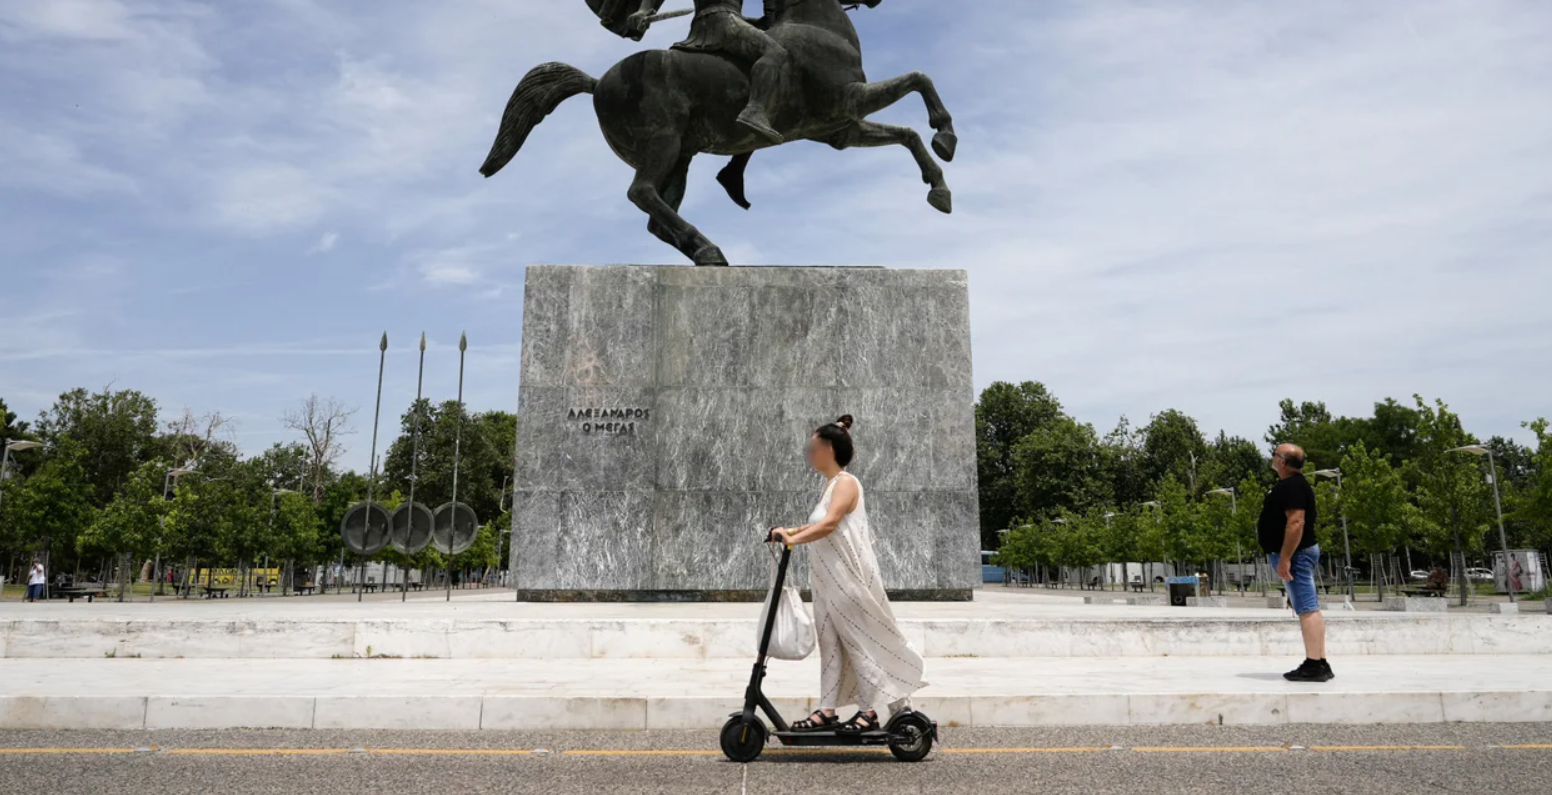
(678, 694)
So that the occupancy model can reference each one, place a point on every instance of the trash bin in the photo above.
(1181, 588)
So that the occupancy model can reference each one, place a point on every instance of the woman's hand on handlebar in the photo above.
(782, 535)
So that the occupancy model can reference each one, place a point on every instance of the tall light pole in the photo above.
(1347, 571)
(1108, 516)
(156, 568)
(5, 470)
(274, 494)
(1158, 518)
(1239, 552)
(1503, 539)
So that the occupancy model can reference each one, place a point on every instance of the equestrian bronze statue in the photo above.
(734, 86)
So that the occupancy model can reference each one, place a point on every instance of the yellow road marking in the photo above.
(1021, 750)
(256, 751)
(707, 752)
(1240, 749)
(641, 753)
(67, 750)
(1388, 748)
(452, 752)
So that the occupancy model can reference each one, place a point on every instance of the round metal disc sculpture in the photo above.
(454, 530)
(411, 525)
(365, 528)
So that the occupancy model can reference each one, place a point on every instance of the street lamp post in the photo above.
(1347, 571)
(1239, 552)
(1108, 516)
(156, 568)
(1159, 517)
(5, 469)
(274, 494)
(1503, 539)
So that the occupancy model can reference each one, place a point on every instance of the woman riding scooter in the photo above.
(863, 655)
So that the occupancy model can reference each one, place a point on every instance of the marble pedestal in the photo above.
(663, 412)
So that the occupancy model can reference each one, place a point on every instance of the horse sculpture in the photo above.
(660, 108)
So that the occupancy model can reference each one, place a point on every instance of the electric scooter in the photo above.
(909, 734)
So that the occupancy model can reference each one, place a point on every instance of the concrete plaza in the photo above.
(486, 662)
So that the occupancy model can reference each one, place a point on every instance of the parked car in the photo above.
(1480, 575)
(1419, 575)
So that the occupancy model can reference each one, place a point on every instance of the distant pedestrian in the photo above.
(36, 579)
(1287, 534)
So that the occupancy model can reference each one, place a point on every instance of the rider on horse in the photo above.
(720, 26)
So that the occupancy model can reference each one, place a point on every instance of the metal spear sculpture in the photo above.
(420, 380)
(463, 346)
(371, 484)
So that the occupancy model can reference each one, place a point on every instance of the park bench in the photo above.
(1426, 590)
(1092, 585)
(74, 592)
(303, 590)
(215, 591)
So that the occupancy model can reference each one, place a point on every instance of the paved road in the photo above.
(1422, 759)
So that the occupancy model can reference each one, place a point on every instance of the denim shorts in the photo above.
(1301, 591)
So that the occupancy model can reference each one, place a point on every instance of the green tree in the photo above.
(113, 432)
(47, 511)
(1532, 509)
(1060, 466)
(1173, 446)
(131, 522)
(1380, 513)
(1454, 499)
(1122, 451)
(486, 458)
(10, 428)
(1005, 414)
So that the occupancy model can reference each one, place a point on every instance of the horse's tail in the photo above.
(538, 95)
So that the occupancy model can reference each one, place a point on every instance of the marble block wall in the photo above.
(663, 412)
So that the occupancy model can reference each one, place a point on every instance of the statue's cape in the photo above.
(613, 13)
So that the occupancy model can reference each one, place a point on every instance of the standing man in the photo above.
(1287, 535)
(36, 579)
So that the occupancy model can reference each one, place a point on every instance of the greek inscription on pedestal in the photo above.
(615, 421)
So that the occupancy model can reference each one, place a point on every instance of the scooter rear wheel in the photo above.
(743, 742)
(914, 737)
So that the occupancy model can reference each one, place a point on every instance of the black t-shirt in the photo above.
(1290, 494)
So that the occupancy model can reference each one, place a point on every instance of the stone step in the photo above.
(1194, 632)
(677, 694)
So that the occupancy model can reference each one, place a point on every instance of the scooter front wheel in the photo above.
(743, 741)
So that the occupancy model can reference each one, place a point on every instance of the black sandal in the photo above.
(816, 722)
(860, 723)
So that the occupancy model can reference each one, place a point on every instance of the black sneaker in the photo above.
(1311, 671)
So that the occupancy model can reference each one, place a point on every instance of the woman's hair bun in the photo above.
(845, 422)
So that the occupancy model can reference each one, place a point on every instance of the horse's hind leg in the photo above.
(868, 134)
(655, 175)
(867, 99)
(672, 190)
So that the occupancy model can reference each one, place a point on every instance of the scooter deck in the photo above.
(831, 738)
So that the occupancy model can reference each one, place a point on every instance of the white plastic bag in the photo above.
(792, 636)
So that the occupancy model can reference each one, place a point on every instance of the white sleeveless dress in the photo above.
(864, 656)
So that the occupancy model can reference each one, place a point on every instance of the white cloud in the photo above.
(1206, 206)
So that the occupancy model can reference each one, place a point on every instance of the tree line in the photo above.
(113, 483)
(1054, 492)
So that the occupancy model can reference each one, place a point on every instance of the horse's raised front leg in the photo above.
(662, 163)
(868, 133)
(866, 99)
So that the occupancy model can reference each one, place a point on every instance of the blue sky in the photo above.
(1207, 206)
